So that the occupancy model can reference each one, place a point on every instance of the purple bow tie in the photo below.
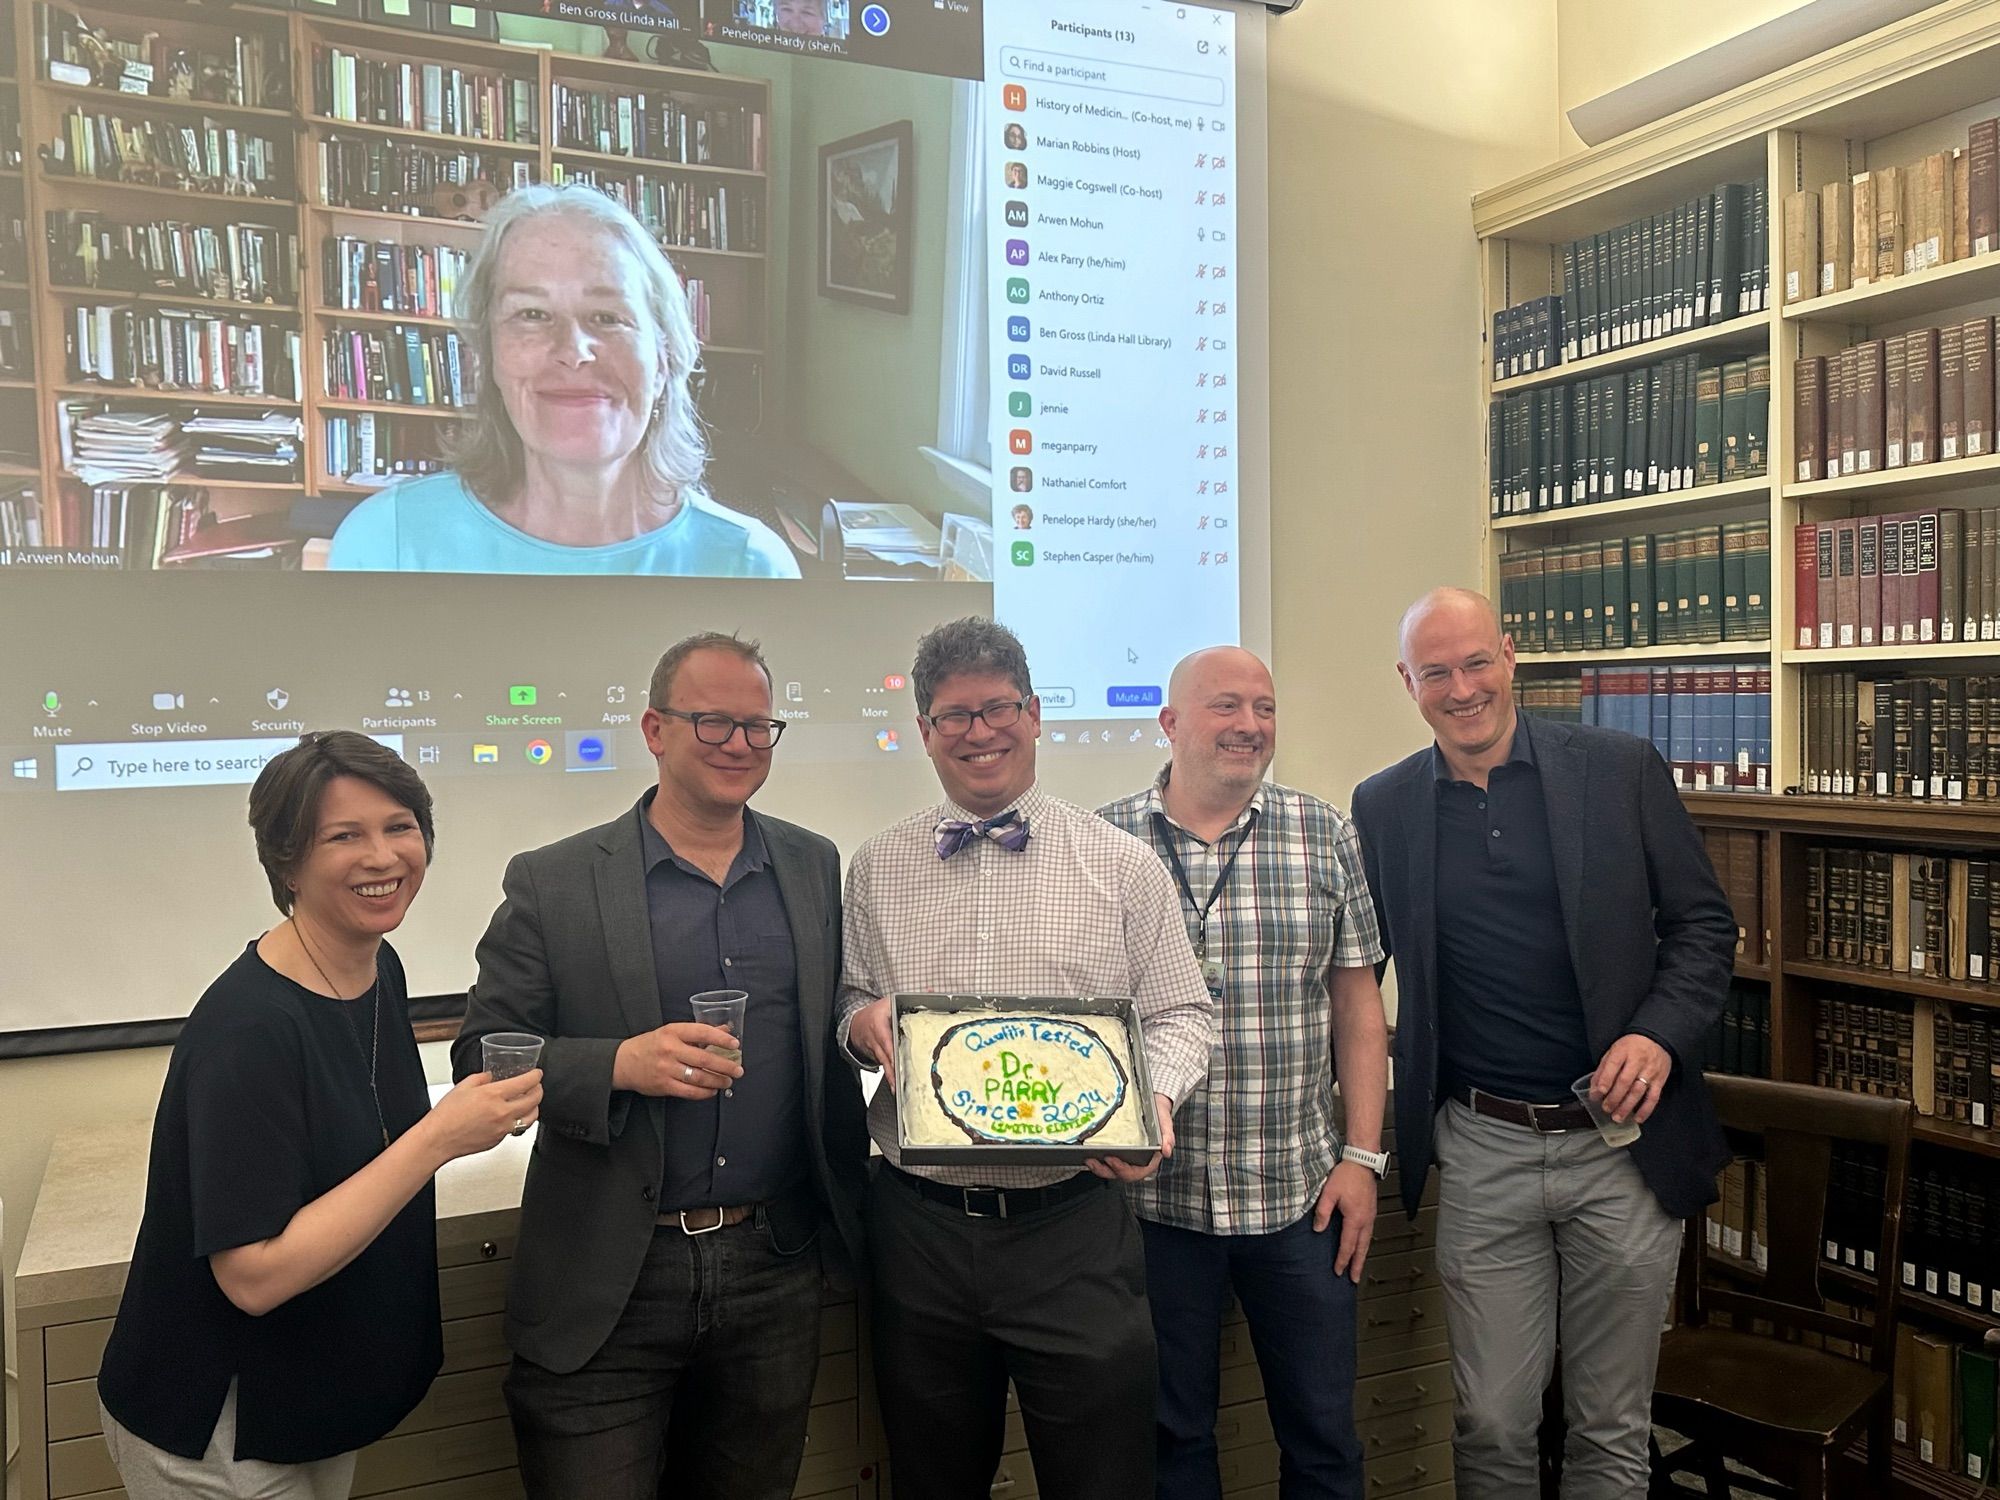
(1009, 831)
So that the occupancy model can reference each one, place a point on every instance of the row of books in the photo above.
(1705, 261)
(20, 514)
(1942, 1407)
(366, 448)
(236, 262)
(435, 98)
(401, 364)
(1711, 724)
(208, 156)
(10, 131)
(183, 349)
(1740, 1040)
(659, 127)
(1738, 857)
(1668, 588)
(360, 275)
(246, 70)
(17, 352)
(1922, 738)
(1931, 916)
(146, 526)
(1864, 1048)
(398, 178)
(1951, 1232)
(680, 213)
(1677, 425)
(13, 243)
(1921, 397)
(1937, 1055)
(1907, 579)
(1895, 221)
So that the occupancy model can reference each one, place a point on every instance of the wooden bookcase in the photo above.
(1888, 98)
(735, 279)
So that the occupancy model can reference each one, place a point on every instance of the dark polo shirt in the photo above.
(748, 1143)
(1510, 1016)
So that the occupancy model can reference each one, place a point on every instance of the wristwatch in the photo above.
(1375, 1161)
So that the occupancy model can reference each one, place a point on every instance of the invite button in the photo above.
(1132, 697)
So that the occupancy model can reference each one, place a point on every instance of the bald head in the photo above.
(1222, 717)
(1195, 672)
(1459, 612)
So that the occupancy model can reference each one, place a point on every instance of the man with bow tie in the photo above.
(1033, 1274)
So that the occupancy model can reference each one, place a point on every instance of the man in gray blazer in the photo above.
(1552, 914)
(664, 1304)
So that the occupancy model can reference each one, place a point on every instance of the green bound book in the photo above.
(1708, 425)
(1977, 1388)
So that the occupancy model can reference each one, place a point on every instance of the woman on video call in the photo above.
(583, 452)
(282, 1307)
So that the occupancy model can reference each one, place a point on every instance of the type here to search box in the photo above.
(1110, 77)
(114, 767)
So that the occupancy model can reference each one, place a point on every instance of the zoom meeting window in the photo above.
(894, 312)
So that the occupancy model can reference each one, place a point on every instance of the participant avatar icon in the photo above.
(1021, 479)
(1024, 517)
(1017, 174)
(1015, 137)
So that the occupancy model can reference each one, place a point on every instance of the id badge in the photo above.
(1211, 975)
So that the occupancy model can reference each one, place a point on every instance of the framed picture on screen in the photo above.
(864, 217)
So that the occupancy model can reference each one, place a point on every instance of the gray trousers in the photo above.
(152, 1473)
(1543, 1237)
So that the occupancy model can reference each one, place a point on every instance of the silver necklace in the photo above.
(372, 1054)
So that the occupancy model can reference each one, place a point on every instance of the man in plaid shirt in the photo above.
(1031, 1273)
(1261, 1191)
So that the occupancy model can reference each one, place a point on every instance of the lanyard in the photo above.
(1180, 875)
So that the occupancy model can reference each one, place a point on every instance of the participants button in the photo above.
(1132, 697)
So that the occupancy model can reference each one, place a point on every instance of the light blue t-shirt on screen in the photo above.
(436, 525)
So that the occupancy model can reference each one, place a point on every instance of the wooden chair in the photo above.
(1783, 1408)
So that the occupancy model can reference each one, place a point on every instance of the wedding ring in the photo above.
(687, 1073)
(1645, 1082)
(519, 1125)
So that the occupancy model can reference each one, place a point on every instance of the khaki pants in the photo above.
(1540, 1237)
(153, 1474)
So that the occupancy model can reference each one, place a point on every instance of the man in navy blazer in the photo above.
(1552, 915)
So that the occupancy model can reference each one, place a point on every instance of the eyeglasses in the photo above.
(719, 729)
(1437, 679)
(959, 720)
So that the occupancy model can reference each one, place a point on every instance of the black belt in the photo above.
(1550, 1119)
(1000, 1203)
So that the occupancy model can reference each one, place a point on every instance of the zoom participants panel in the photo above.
(1116, 464)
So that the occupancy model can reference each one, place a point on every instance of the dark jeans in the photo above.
(731, 1312)
(1301, 1319)
(1055, 1300)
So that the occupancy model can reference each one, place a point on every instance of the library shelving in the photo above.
(461, 119)
(1910, 93)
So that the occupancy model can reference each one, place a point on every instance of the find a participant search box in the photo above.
(1110, 77)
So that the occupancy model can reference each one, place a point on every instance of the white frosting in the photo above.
(1018, 1079)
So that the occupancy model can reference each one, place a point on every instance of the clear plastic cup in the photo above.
(1616, 1135)
(723, 1008)
(509, 1054)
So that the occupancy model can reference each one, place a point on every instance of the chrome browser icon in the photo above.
(539, 752)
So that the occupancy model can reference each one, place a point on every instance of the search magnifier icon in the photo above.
(85, 763)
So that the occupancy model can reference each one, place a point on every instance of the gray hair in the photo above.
(661, 692)
(486, 449)
(972, 645)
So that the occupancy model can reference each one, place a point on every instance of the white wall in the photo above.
(1384, 120)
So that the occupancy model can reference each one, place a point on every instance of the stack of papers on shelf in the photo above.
(263, 447)
(113, 446)
(879, 541)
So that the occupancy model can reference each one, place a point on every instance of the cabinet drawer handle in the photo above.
(487, 1250)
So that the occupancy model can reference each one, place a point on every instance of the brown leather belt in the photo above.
(1549, 1119)
(706, 1220)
